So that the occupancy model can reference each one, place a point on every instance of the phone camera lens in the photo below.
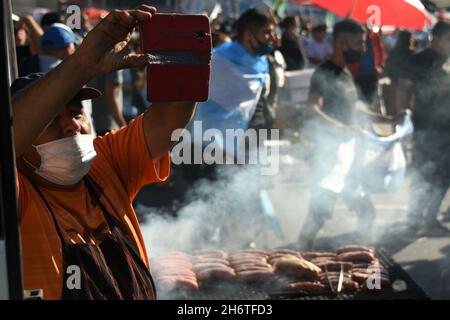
(200, 35)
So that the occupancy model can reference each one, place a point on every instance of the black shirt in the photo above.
(395, 62)
(292, 53)
(430, 74)
(337, 88)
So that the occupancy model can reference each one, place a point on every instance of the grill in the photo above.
(244, 291)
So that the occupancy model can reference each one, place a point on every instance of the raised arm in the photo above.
(101, 52)
(160, 120)
(34, 32)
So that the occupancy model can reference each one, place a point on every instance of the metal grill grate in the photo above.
(244, 291)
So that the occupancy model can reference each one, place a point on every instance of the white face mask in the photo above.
(66, 161)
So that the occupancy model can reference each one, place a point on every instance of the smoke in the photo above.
(225, 214)
(228, 213)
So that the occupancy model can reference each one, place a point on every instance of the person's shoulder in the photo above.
(224, 47)
(323, 71)
(419, 62)
(421, 56)
(326, 66)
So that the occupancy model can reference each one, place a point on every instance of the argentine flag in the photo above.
(237, 80)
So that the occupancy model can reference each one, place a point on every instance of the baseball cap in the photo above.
(85, 93)
(57, 36)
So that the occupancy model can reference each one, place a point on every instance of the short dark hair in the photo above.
(321, 27)
(50, 18)
(252, 18)
(346, 26)
(288, 22)
(403, 39)
(441, 28)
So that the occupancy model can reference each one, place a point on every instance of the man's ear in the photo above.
(247, 36)
(341, 44)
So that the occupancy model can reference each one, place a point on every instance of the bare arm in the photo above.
(35, 106)
(378, 117)
(160, 120)
(315, 105)
(114, 106)
(403, 95)
(101, 52)
(34, 31)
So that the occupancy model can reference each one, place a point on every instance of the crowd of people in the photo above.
(86, 141)
(351, 66)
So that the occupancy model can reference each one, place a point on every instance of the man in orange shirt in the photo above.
(80, 235)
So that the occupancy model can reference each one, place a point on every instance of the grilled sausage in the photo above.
(202, 266)
(353, 248)
(197, 260)
(272, 258)
(216, 273)
(334, 265)
(312, 255)
(334, 279)
(170, 283)
(247, 267)
(363, 256)
(220, 254)
(285, 251)
(307, 286)
(240, 256)
(243, 260)
(297, 267)
(250, 251)
(348, 285)
(255, 275)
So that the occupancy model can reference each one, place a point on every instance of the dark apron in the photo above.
(112, 269)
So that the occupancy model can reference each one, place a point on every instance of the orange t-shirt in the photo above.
(123, 165)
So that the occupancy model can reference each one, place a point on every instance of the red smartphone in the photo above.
(179, 46)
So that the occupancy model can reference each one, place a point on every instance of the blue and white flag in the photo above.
(237, 80)
(370, 165)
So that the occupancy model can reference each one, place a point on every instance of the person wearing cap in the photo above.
(79, 232)
(57, 43)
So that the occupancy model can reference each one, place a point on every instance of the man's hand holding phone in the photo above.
(104, 48)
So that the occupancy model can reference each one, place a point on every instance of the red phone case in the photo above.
(180, 47)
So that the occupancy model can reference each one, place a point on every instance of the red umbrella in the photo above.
(95, 14)
(408, 14)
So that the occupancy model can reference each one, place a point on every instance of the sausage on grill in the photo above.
(363, 256)
(223, 273)
(198, 260)
(352, 248)
(169, 283)
(334, 265)
(312, 255)
(255, 275)
(307, 286)
(247, 267)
